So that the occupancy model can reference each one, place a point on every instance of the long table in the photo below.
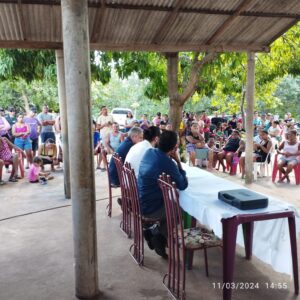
(275, 235)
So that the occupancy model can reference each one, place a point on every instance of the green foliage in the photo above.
(12, 93)
(26, 64)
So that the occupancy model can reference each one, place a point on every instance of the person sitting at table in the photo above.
(48, 153)
(164, 159)
(211, 144)
(137, 151)
(290, 150)
(135, 135)
(229, 149)
(261, 151)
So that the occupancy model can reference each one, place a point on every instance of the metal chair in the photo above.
(181, 241)
(139, 222)
(125, 224)
(109, 205)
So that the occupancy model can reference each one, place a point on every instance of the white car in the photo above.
(119, 115)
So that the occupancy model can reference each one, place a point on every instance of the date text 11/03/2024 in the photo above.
(249, 285)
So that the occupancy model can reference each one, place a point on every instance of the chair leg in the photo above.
(206, 261)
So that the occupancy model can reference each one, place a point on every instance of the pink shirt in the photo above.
(33, 174)
(5, 152)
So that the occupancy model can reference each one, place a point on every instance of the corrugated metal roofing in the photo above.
(158, 25)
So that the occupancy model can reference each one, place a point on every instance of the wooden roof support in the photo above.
(288, 26)
(167, 9)
(242, 7)
(99, 22)
(167, 22)
(137, 47)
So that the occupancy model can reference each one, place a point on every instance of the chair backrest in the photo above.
(105, 161)
(201, 153)
(131, 188)
(119, 165)
(176, 277)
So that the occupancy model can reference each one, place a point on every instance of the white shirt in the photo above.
(104, 120)
(136, 153)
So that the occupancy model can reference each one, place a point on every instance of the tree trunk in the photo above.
(175, 108)
(26, 102)
(175, 111)
(243, 108)
(177, 100)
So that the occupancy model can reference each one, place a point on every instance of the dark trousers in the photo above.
(161, 215)
(47, 135)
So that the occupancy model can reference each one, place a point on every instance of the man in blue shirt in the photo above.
(164, 159)
(135, 135)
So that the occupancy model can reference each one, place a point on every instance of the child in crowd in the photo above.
(35, 175)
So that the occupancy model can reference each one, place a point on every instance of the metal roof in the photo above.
(153, 25)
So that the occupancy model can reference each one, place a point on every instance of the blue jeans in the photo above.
(47, 135)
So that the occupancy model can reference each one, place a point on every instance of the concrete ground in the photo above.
(36, 250)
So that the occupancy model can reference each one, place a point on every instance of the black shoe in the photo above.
(148, 237)
(159, 243)
(114, 185)
(119, 201)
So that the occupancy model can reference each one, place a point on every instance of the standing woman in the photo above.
(129, 121)
(21, 133)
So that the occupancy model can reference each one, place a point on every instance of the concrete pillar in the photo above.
(63, 119)
(249, 117)
(77, 76)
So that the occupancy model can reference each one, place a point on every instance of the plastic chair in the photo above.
(201, 154)
(181, 241)
(136, 250)
(276, 170)
(125, 224)
(262, 166)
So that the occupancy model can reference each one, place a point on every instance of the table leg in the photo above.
(248, 238)
(229, 242)
(292, 228)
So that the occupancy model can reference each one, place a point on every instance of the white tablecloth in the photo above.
(271, 240)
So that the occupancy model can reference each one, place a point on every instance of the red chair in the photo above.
(181, 241)
(131, 194)
(21, 164)
(105, 161)
(125, 224)
(276, 170)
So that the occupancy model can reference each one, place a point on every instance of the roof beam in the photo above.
(167, 22)
(242, 7)
(288, 26)
(240, 47)
(98, 21)
(167, 9)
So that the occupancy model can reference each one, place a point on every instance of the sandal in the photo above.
(12, 179)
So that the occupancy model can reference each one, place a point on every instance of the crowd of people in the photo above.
(19, 141)
(151, 147)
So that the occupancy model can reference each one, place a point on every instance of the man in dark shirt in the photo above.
(164, 159)
(135, 135)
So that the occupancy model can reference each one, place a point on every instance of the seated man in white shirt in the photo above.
(137, 151)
